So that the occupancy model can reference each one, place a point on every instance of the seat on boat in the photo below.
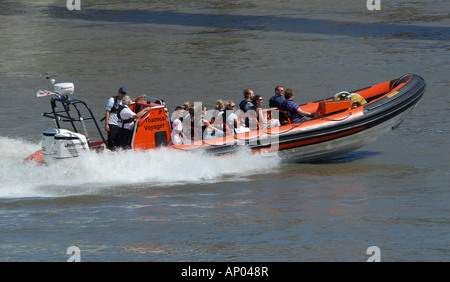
(328, 107)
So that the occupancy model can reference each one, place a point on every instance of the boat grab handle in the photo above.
(339, 119)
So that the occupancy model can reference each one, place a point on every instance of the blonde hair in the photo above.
(220, 104)
(186, 105)
(228, 104)
(247, 92)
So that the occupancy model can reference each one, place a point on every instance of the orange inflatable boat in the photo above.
(340, 124)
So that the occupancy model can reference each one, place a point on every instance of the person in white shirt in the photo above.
(126, 122)
(231, 118)
(178, 136)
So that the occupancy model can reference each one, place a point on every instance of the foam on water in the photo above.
(93, 173)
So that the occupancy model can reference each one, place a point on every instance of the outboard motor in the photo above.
(48, 138)
(69, 145)
(62, 144)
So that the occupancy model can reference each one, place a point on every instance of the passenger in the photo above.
(111, 118)
(291, 108)
(190, 116)
(261, 116)
(186, 106)
(197, 121)
(166, 110)
(217, 116)
(178, 136)
(277, 100)
(126, 122)
(246, 104)
(220, 107)
(209, 131)
(194, 116)
(230, 117)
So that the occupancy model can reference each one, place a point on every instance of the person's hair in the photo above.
(288, 93)
(178, 111)
(219, 104)
(228, 104)
(247, 92)
(256, 98)
(186, 105)
(126, 100)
